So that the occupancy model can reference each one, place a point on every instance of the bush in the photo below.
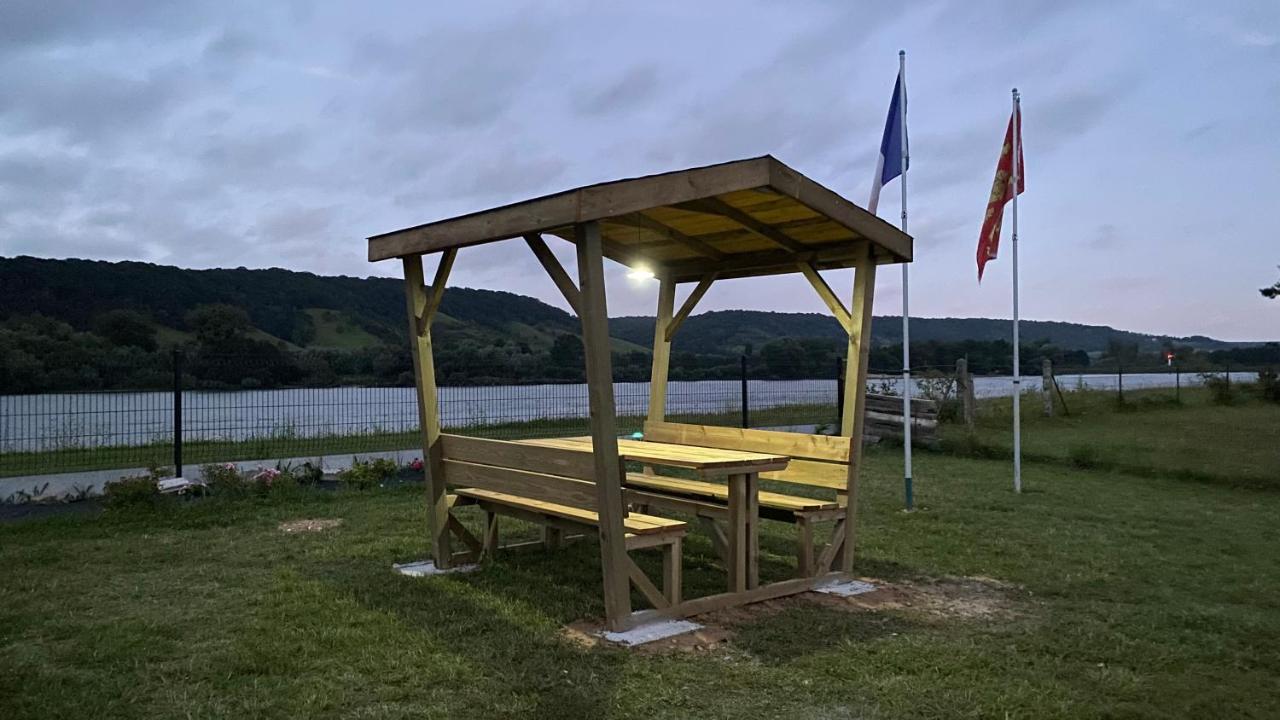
(135, 491)
(1220, 390)
(1269, 385)
(225, 481)
(365, 474)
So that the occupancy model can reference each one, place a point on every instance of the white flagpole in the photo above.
(906, 314)
(1017, 371)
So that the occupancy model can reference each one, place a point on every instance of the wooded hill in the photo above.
(82, 324)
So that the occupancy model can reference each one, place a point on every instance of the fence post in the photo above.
(839, 393)
(177, 413)
(1046, 385)
(746, 416)
(1177, 382)
(964, 388)
(1119, 382)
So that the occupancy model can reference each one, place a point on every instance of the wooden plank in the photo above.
(524, 456)
(833, 476)
(824, 291)
(720, 493)
(673, 572)
(689, 303)
(435, 293)
(661, 349)
(471, 541)
(796, 445)
(634, 523)
(711, 603)
(555, 270)
(532, 485)
(697, 508)
(581, 205)
(604, 425)
(424, 377)
(855, 396)
(804, 557)
(707, 461)
(716, 206)
(640, 220)
(751, 481)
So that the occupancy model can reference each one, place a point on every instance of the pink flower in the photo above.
(415, 464)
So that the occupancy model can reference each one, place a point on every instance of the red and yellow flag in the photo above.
(1001, 193)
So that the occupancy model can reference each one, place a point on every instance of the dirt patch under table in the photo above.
(312, 525)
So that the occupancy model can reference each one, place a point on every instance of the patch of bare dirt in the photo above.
(970, 598)
(315, 525)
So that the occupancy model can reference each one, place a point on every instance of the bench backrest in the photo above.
(548, 474)
(816, 460)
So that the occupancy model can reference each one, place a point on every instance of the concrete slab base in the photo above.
(651, 631)
(846, 588)
(427, 568)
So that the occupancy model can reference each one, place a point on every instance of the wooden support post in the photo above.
(855, 392)
(490, 533)
(421, 306)
(604, 426)
(555, 270)
(964, 389)
(690, 303)
(661, 352)
(1046, 386)
(804, 560)
(671, 572)
(828, 296)
(551, 537)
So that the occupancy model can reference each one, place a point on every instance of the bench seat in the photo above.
(634, 523)
(720, 493)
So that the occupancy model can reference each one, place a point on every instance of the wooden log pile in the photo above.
(884, 419)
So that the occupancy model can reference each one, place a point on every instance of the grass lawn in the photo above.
(1149, 434)
(1126, 597)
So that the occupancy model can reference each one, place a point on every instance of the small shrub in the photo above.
(308, 474)
(1269, 385)
(1084, 457)
(132, 491)
(224, 480)
(1220, 390)
(365, 474)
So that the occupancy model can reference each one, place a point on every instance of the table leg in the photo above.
(752, 481)
(738, 533)
(744, 537)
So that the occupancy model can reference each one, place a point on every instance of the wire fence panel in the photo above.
(233, 419)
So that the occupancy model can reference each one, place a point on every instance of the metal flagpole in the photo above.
(1017, 371)
(906, 329)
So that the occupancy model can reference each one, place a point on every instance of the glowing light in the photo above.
(640, 274)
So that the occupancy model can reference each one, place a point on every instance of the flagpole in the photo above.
(906, 314)
(1017, 370)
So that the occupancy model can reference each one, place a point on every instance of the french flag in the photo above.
(890, 164)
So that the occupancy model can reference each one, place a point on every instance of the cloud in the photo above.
(632, 88)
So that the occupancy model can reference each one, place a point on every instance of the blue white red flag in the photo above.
(890, 166)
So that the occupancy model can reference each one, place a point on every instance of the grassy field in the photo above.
(1149, 434)
(1093, 594)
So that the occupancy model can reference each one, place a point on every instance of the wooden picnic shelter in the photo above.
(746, 218)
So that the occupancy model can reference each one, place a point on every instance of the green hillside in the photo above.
(68, 325)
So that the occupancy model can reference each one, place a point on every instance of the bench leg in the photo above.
(490, 533)
(805, 556)
(672, 562)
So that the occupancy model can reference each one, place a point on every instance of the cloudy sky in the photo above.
(282, 134)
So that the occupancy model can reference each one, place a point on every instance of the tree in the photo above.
(126, 328)
(1272, 292)
(218, 323)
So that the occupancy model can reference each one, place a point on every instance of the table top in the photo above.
(706, 461)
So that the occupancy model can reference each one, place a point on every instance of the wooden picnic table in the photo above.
(741, 468)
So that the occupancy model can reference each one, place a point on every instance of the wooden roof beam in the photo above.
(690, 302)
(645, 222)
(824, 291)
(716, 206)
(556, 271)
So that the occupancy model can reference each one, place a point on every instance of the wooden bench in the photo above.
(553, 488)
(818, 461)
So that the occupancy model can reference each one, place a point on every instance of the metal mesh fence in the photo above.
(63, 432)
